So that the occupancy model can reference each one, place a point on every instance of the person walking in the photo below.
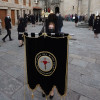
(96, 26)
(8, 28)
(60, 22)
(21, 30)
(90, 22)
(0, 26)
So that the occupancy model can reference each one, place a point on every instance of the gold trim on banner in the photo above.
(24, 64)
(45, 34)
(69, 37)
(25, 72)
(66, 77)
(38, 85)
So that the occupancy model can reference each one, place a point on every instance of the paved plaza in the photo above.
(83, 68)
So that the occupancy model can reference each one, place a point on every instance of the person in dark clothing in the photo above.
(21, 30)
(60, 22)
(51, 25)
(29, 18)
(37, 18)
(91, 20)
(76, 20)
(33, 20)
(25, 21)
(96, 26)
(8, 28)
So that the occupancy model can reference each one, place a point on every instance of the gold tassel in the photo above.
(46, 98)
(61, 98)
(32, 95)
(69, 37)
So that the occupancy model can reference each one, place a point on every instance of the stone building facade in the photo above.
(21, 7)
(18, 7)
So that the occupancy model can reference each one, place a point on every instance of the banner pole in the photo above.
(64, 97)
(24, 65)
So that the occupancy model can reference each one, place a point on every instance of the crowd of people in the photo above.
(53, 23)
(93, 22)
(70, 17)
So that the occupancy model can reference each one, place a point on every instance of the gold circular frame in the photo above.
(54, 63)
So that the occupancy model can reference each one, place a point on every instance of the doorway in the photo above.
(3, 14)
(13, 17)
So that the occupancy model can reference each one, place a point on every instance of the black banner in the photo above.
(46, 62)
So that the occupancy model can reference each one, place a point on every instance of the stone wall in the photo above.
(69, 7)
(72, 7)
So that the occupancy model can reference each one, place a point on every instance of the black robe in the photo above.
(96, 26)
(7, 23)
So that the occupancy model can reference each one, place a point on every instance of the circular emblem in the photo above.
(45, 63)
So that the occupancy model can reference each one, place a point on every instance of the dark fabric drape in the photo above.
(47, 46)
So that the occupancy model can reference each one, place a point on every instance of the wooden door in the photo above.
(3, 14)
(13, 17)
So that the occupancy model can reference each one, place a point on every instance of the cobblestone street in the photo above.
(83, 68)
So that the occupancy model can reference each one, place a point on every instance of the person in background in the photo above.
(96, 26)
(33, 20)
(21, 30)
(76, 20)
(0, 26)
(86, 18)
(90, 22)
(60, 22)
(37, 18)
(8, 28)
(25, 21)
(29, 18)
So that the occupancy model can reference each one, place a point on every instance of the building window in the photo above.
(16, 1)
(24, 2)
(5, 0)
(29, 2)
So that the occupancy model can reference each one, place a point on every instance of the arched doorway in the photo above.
(56, 9)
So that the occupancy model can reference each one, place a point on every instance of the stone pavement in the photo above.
(83, 69)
